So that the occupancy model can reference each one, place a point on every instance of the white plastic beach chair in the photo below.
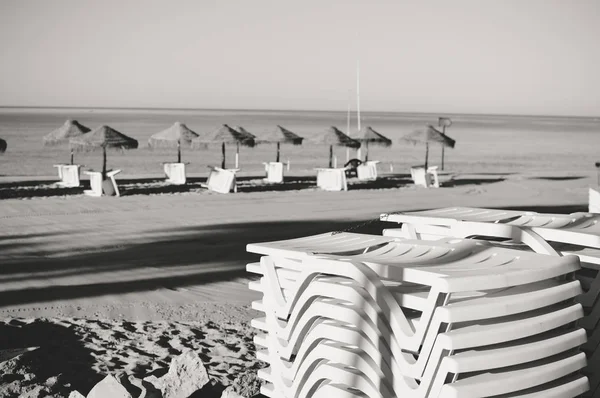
(274, 172)
(68, 174)
(175, 173)
(332, 179)
(426, 178)
(221, 180)
(367, 171)
(296, 263)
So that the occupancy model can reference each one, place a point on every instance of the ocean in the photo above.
(484, 143)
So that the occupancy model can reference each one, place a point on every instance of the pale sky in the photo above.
(451, 56)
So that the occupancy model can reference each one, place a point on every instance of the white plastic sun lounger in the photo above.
(303, 252)
(333, 179)
(274, 172)
(367, 171)
(68, 174)
(221, 180)
(175, 173)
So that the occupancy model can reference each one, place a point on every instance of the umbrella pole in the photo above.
(367, 151)
(103, 163)
(330, 156)
(178, 152)
(278, 146)
(426, 154)
(444, 134)
(223, 153)
(237, 155)
(71, 155)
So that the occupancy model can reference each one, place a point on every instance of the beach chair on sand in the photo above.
(553, 234)
(380, 316)
(107, 187)
(68, 174)
(367, 171)
(274, 172)
(426, 178)
(332, 179)
(221, 180)
(175, 173)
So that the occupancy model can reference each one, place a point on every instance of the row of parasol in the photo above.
(82, 138)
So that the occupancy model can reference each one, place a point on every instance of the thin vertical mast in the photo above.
(348, 124)
(348, 118)
(358, 92)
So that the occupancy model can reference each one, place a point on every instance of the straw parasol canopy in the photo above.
(368, 136)
(244, 132)
(332, 136)
(104, 137)
(172, 137)
(2, 146)
(280, 135)
(223, 135)
(426, 136)
(62, 135)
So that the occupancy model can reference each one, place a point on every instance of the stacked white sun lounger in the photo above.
(552, 234)
(425, 177)
(332, 179)
(221, 180)
(274, 172)
(98, 187)
(353, 315)
(68, 174)
(367, 171)
(175, 173)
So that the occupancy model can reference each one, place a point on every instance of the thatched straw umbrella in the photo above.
(223, 135)
(333, 136)
(62, 135)
(368, 136)
(426, 136)
(104, 138)
(280, 135)
(444, 122)
(172, 137)
(2, 146)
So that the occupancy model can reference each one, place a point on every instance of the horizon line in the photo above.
(287, 110)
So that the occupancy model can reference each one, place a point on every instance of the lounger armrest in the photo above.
(112, 173)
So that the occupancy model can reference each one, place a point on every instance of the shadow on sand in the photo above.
(158, 186)
(201, 249)
(60, 352)
(560, 178)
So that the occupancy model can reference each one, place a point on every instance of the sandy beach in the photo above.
(167, 270)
